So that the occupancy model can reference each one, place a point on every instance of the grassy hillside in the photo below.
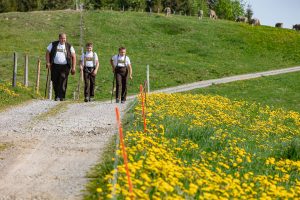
(281, 91)
(178, 49)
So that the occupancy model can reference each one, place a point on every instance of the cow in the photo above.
(200, 14)
(241, 19)
(296, 27)
(212, 14)
(168, 11)
(255, 22)
(279, 25)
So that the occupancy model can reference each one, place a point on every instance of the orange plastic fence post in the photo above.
(143, 108)
(124, 152)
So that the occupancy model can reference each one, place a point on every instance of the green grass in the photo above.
(8, 100)
(280, 91)
(178, 49)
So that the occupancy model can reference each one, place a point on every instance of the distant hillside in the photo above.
(179, 49)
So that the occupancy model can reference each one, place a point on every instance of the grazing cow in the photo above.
(168, 11)
(200, 14)
(255, 22)
(241, 19)
(212, 14)
(296, 27)
(279, 25)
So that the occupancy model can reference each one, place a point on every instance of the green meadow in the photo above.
(179, 49)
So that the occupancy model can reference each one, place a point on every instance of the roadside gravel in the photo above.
(49, 157)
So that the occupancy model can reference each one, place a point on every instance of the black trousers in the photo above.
(121, 81)
(89, 82)
(59, 78)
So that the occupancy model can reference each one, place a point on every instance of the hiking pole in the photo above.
(47, 82)
(113, 86)
(78, 85)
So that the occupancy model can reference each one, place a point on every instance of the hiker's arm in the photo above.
(48, 64)
(96, 68)
(130, 71)
(73, 64)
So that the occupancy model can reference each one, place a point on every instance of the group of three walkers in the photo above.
(61, 59)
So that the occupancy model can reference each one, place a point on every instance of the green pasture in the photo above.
(179, 49)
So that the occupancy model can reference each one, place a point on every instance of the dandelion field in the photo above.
(207, 147)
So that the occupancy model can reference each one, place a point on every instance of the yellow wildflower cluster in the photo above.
(6, 90)
(219, 155)
(23, 87)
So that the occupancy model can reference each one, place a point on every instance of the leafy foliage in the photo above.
(31, 5)
(226, 9)
(249, 13)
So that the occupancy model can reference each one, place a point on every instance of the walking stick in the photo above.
(113, 86)
(78, 85)
(47, 82)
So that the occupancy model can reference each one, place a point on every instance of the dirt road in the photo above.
(53, 145)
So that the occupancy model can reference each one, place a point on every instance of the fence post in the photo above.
(38, 74)
(26, 71)
(148, 79)
(14, 81)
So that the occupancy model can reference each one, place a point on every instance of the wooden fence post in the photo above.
(14, 81)
(38, 75)
(26, 71)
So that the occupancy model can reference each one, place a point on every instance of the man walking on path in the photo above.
(121, 67)
(89, 65)
(60, 57)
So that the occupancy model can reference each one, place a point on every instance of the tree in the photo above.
(249, 13)
(93, 4)
(229, 9)
(58, 4)
(203, 6)
(7, 6)
(212, 4)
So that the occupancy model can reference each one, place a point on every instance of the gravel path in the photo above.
(207, 83)
(54, 144)
(50, 156)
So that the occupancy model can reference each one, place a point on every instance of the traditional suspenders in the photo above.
(118, 61)
(94, 59)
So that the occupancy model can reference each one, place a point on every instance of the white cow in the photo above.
(200, 14)
(212, 14)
